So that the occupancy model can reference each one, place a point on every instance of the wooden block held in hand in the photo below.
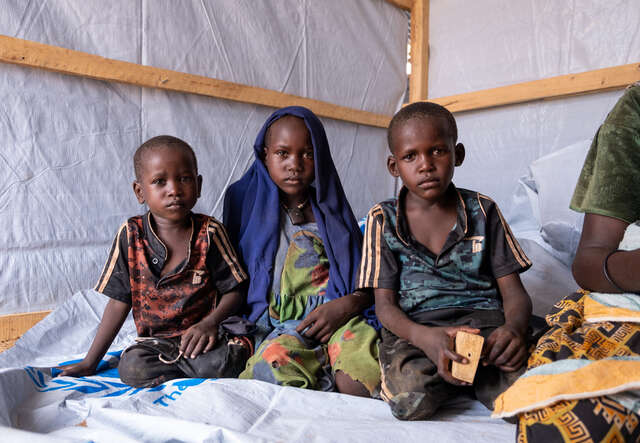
(469, 346)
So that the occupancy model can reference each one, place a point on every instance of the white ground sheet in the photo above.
(34, 407)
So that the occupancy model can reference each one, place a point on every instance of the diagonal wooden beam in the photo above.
(66, 61)
(402, 4)
(606, 79)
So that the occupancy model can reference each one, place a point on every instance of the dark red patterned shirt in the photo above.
(166, 306)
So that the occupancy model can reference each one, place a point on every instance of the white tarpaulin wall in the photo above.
(65, 163)
(67, 142)
(482, 45)
(492, 43)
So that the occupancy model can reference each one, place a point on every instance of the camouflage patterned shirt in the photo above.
(166, 306)
(610, 178)
(479, 249)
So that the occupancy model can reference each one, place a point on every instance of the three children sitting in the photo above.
(439, 260)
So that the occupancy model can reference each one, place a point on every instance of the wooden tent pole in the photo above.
(418, 80)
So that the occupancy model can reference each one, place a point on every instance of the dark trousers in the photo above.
(410, 381)
(152, 361)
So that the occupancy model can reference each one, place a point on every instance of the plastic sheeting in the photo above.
(67, 142)
(100, 408)
(547, 229)
(480, 45)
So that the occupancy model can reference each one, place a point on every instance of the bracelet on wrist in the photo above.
(605, 270)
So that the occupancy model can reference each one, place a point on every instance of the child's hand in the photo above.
(198, 339)
(326, 319)
(80, 369)
(437, 344)
(505, 348)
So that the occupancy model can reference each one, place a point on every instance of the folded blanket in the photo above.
(570, 380)
(611, 307)
(592, 349)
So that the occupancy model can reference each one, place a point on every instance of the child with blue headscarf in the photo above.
(291, 223)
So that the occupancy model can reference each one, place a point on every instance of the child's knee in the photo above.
(415, 395)
(413, 406)
(135, 371)
(227, 359)
(347, 385)
(284, 361)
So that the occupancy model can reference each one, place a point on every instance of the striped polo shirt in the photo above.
(166, 306)
(479, 249)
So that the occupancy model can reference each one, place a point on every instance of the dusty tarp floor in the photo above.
(36, 407)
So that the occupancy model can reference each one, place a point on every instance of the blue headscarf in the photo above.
(252, 218)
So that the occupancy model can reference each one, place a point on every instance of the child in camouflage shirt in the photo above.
(440, 260)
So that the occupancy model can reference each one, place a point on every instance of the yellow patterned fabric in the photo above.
(581, 379)
(598, 419)
(572, 337)
(611, 307)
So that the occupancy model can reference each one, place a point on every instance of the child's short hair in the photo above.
(421, 110)
(157, 142)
